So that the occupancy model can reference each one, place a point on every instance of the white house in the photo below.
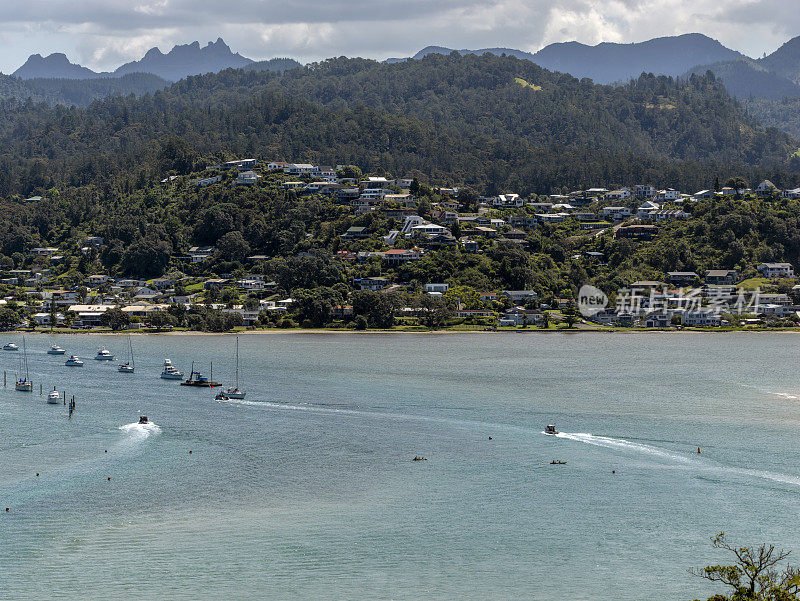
(247, 178)
(441, 288)
(776, 270)
(621, 194)
(299, 168)
(507, 200)
(700, 318)
(766, 188)
(617, 213)
(645, 208)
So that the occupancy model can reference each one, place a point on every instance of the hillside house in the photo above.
(616, 213)
(776, 270)
(721, 277)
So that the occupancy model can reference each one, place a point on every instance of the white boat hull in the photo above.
(56, 352)
(235, 395)
(55, 400)
(24, 387)
(172, 376)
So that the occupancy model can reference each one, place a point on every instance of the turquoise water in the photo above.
(306, 490)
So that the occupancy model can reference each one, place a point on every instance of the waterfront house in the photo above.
(645, 209)
(700, 318)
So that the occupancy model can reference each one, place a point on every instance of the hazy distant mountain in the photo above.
(56, 65)
(184, 60)
(611, 62)
(746, 77)
(785, 60)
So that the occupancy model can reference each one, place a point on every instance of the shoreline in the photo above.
(273, 331)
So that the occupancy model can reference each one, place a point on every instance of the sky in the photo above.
(102, 34)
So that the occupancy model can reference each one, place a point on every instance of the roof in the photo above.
(719, 272)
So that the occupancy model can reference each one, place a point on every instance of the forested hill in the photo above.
(491, 122)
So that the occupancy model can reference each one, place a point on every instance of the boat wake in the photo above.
(137, 431)
(291, 407)
(692, 461)
(624, 445)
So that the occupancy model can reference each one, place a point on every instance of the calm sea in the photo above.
(306, 489)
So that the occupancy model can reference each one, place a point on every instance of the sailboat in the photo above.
(129, 366)
(233, 392)
(24, 384)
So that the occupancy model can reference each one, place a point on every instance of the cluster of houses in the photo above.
(634, 212)
(691, 300)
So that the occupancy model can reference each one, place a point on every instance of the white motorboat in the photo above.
(56, 350)
(74, 361)
(550, 429)
(54, 398)
(129, 366)
(10, 347)
(24, 384)
(233, 392)
(104, 355)
(170, 372)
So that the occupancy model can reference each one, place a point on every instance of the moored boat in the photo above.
(129, 366)
(10, 346)
(198, 379)
(104, 355)
(170, 372)
(54, 398)
(74, 361)
(24, 384)
(56, 350)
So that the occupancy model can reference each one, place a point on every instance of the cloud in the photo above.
(104, 33)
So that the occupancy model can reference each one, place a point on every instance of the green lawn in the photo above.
(753, 283)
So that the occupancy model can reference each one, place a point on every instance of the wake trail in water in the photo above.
(698, 463)
(625, 445)
(137, 431)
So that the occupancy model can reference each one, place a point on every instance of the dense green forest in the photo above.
(490, 122)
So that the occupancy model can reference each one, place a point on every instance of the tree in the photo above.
(115, 318)
(160, 319)
(315, 305)
(754, 574)
(436, 311)
(233, 247)
(377, 307)
(9, 318)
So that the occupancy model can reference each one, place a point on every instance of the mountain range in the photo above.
(763, 84)
(181, 61)
(611, 62)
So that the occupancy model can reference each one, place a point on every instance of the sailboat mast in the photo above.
(237, 362)
(25, 352)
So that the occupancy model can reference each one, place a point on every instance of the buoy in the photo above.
(613, 471)
(698, 450)
(109, 477)
(37, 473)
(106, 451)
(490, 438)
(190, 451)
(8, 509)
